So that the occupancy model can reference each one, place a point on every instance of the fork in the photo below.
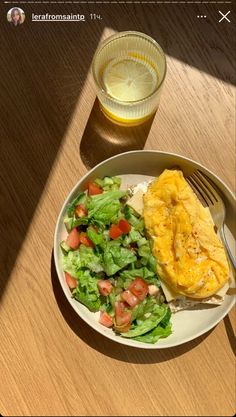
(215, 204)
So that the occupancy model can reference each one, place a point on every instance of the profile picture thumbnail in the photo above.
(15, 16)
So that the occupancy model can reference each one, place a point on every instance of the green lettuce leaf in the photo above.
(162, 330)
(166, 320)
(87, 291)
(134, 235)
(97, 238)
(84, 257)
(116, 257)
(144, 251)
(72, 263)
(148, 324)
(147, 306)
(88, 259)
(152, 263)
(105, 207)
(130, 274)
(154, 335)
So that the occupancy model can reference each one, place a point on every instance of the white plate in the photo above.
(135, 167)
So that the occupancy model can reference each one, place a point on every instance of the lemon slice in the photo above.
(129, 79)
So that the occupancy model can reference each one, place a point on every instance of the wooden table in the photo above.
(51, 362)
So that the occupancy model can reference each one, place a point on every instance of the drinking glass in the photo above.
(129, 69)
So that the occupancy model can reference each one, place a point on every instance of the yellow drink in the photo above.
(129, 69)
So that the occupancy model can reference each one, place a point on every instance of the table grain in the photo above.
(52, 132)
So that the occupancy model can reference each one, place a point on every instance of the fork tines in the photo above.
(203, 187)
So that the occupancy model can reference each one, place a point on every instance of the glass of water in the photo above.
(129, 69)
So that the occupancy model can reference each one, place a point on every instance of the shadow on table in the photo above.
(230, 333)
(106, 346)
(41, 82)
(102, 138)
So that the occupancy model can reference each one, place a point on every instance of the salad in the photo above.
(108, 263)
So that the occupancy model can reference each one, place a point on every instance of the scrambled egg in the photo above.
(190, 257)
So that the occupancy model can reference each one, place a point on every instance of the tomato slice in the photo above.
(124, 226)
(139, 288)
(105, 286)
(71, 281)
(73, 239)
(81, 210)
(93, 189)
(130, 298)
(85, 240)
(105, 319)
(122, 317)
(115, 231)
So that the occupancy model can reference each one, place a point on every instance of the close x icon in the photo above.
(224, 16)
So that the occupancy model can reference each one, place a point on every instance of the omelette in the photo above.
(191, 259)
